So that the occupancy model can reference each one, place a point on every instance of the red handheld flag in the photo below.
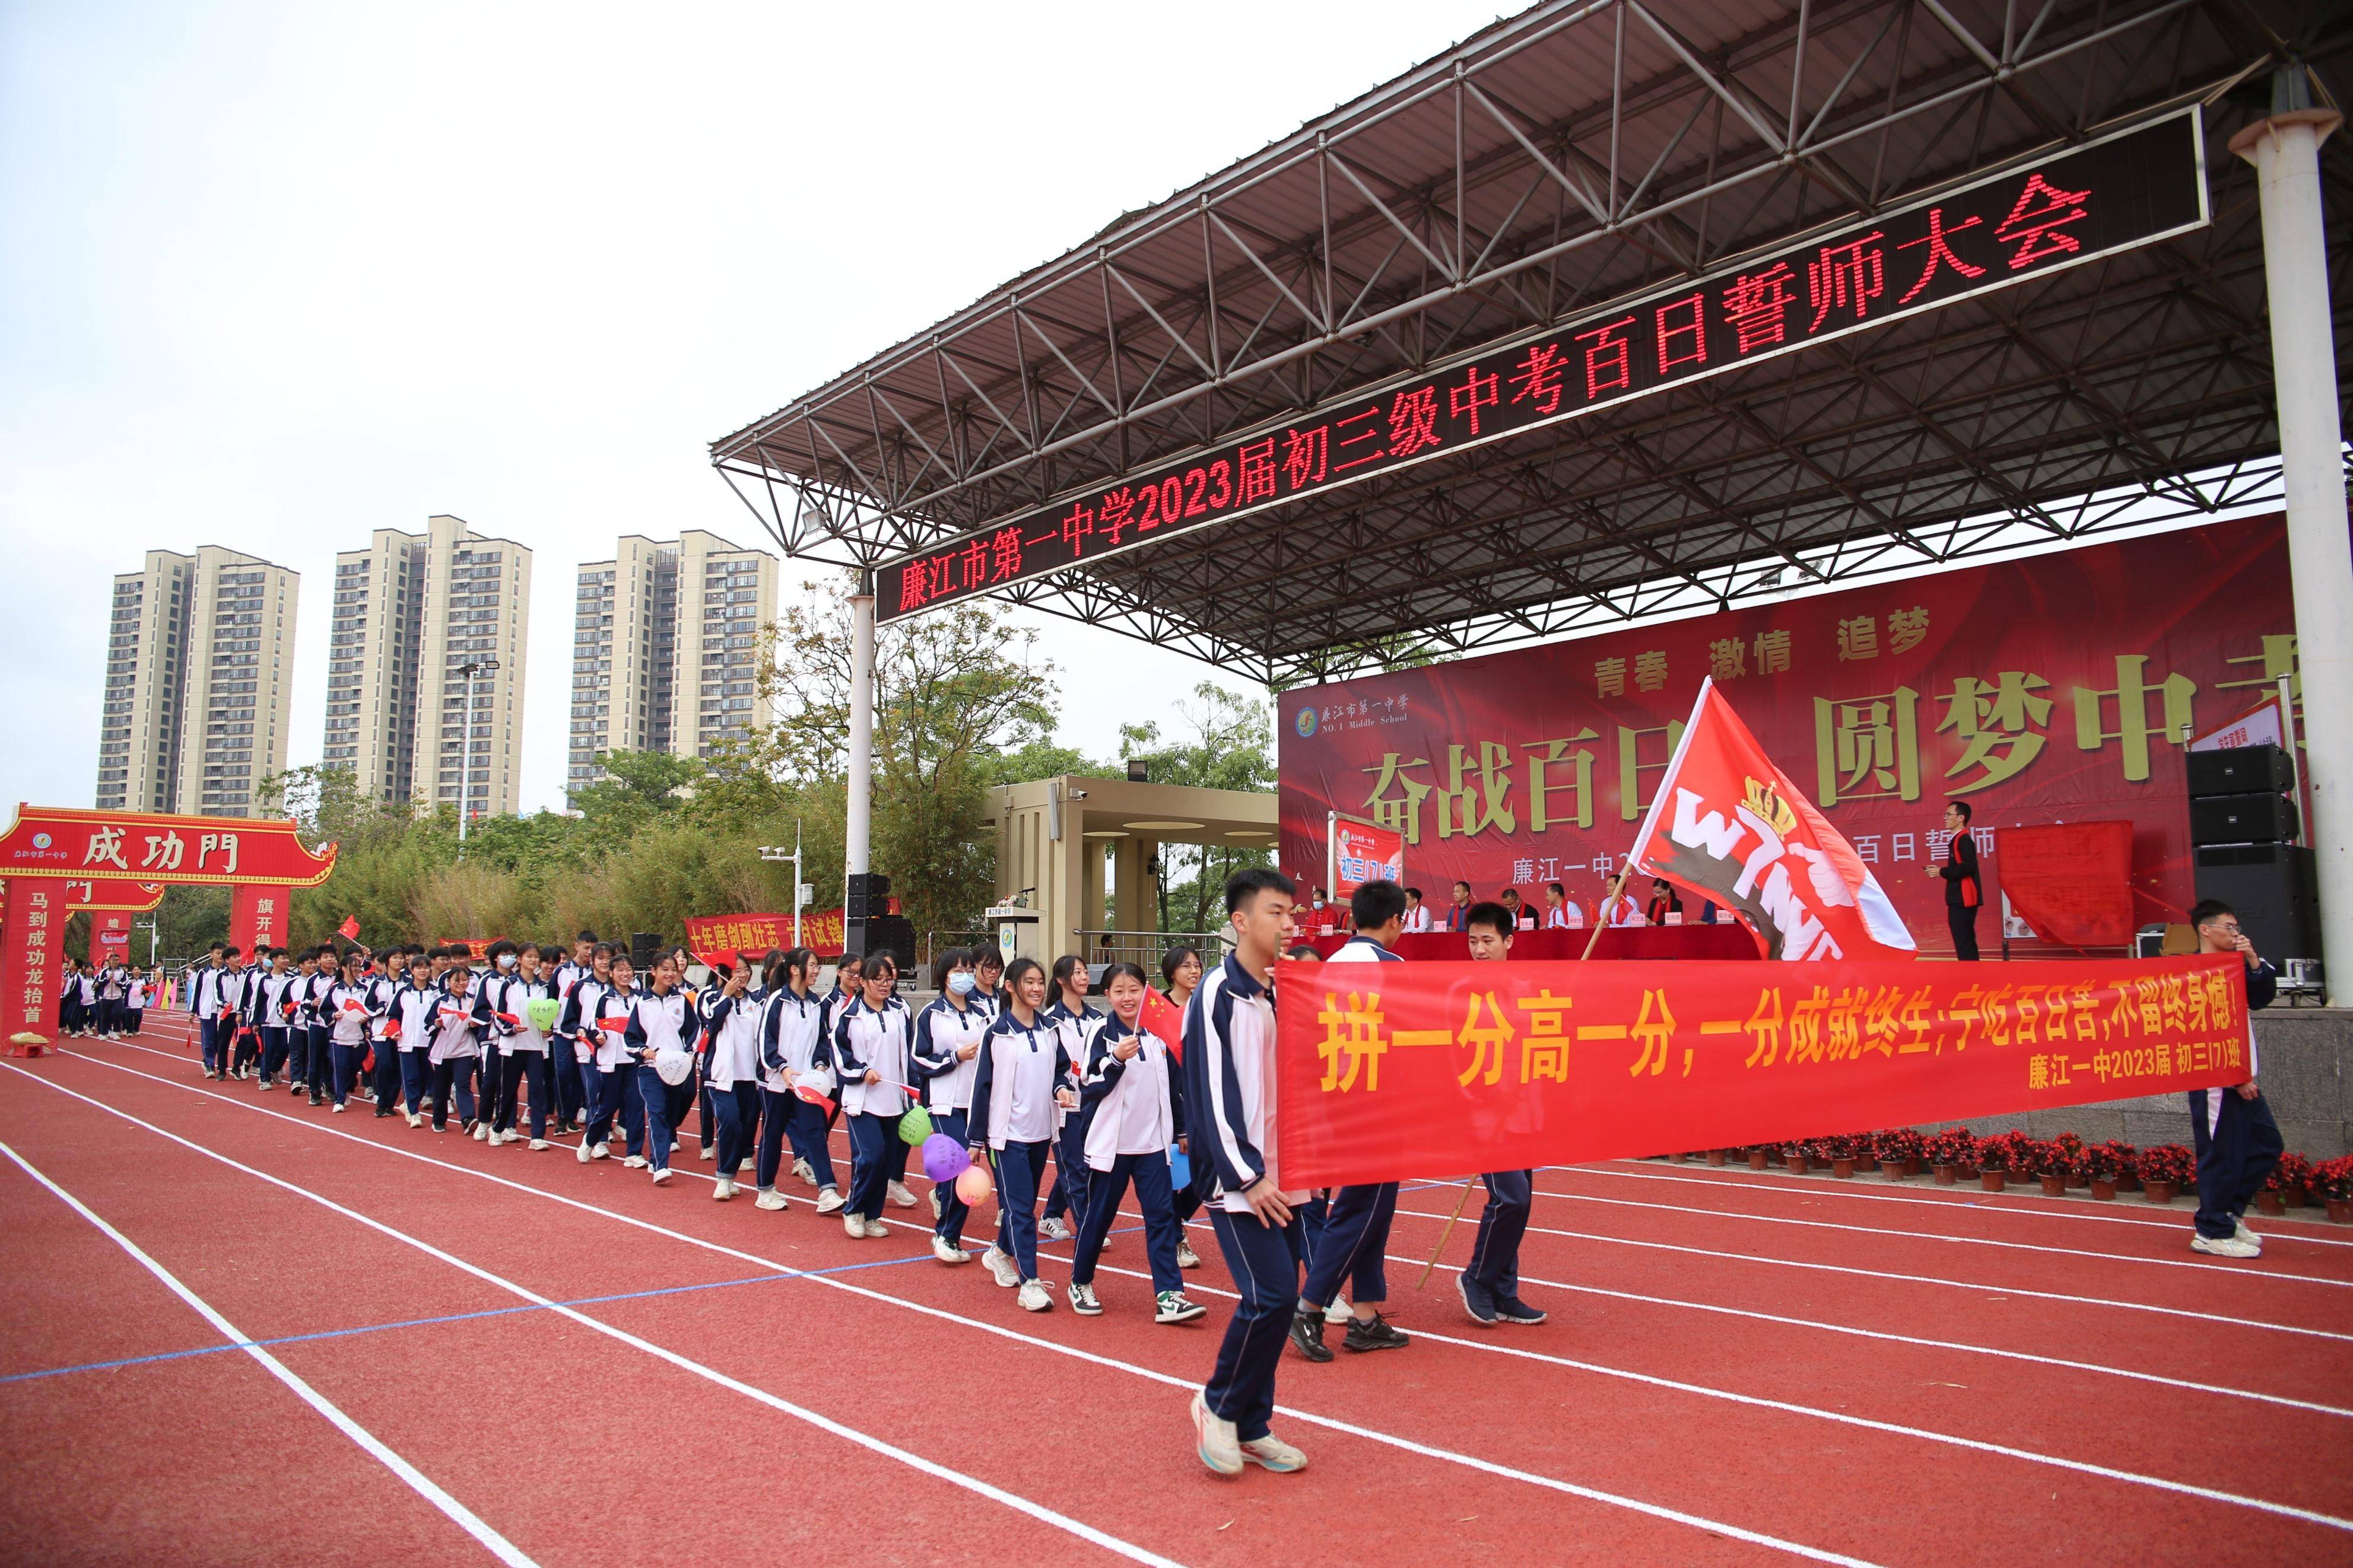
(1166, 1021)
(350, 930)
(1729, 825)
(813, 1098)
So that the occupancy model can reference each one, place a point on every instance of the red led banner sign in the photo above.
(2128, 190)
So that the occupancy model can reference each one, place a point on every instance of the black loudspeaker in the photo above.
(2242, 819)
(2241, 770)
(869, 894)
(2270, 886)
(641, 951)
(893, 934)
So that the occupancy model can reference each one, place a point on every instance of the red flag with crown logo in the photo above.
(1729, 825)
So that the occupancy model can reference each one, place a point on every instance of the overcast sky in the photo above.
(272, 277)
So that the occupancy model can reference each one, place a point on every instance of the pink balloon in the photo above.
(975, 1185)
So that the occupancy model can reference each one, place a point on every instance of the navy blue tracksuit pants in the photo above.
(1495, 1256)
(738, 1113)
(1019, 1168)
(2238, 1146)
(1264, 1262)
(1149, 1172)
(321, 1079)
(1355, 1235)
(208, 1033)
(274, 1047)
(952, 1211)
(876, 1158)
(1071, 1173)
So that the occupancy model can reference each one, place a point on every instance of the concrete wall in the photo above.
(2302, 1058)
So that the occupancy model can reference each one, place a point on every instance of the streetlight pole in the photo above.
(466, 758)
(774, 855)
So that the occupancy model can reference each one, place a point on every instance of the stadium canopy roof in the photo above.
(1532, 180)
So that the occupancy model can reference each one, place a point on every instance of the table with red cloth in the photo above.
(1705, 942)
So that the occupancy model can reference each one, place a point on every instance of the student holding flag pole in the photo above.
(344, 1004)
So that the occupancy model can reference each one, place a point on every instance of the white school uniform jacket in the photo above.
(309, 992)
(1135, 1101)
(865, 1038)
(247, 1005)
(134, 995)
(412, 1007)
(512, 994)
(89, 984)
(1362, 950)
(345, 1026)
(792, 1036)
(732, 1034)
(941, 1031)
(458, 1023)
(205, 990)
(274, 988)
(1021, 1066)
(663, 1024)
(1228, 1091)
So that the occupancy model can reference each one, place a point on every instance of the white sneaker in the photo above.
(1339, 1311)
(536, 1144)
(901, 1197)
(771, 1199)
(602, 1152)
(339, 1110)
(1215, 1440)
(267, 1085)
(1053, 1230)
(634, 1162)
(662, 1177)
(853, 1227)
(1185, 1256)
(876, 1229)
(582, 1152)
(1001, 1267)
(722, 1189)
(412, 1116)
(935, 1200)
(1034, 1297)
(947, 1251)
(481, 1133)
(1083, 1302)
(2225, 1247)
(1274, 1454)
(2244, 1234)
(709, 1150)
(828, 1200)
(801, 1170)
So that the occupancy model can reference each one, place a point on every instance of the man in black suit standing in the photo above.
(1964, 893)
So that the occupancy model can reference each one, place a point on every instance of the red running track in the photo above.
(1941, 1381)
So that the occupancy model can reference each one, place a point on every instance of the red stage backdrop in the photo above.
(2051, 690)
(1395, 1072)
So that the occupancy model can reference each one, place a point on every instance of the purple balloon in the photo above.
(944, 1159)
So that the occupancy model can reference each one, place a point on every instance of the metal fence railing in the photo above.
(1145, 948)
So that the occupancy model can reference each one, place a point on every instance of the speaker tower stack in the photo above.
(2242, 826)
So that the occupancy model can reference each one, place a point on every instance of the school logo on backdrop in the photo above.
(1305, 723)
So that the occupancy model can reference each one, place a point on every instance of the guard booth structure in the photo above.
(1083, 853)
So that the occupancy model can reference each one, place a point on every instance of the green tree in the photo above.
(1223, 741)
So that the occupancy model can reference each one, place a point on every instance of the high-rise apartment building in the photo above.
(198, 691)
(412, 611)
(665, 649)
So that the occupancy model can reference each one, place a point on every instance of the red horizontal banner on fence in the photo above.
(1402, 1070)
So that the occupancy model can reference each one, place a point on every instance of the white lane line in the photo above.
(498, 1546)
(2020, 1206)
(1468, 1461)
(889, 1450)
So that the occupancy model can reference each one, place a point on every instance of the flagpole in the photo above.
(1449, 1231)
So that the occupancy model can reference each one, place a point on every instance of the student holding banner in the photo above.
(1490, 1287)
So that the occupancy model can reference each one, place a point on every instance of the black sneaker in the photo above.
(1477, 1300)
(1512, 1310)
(1372, 1333)
(1307, 1334)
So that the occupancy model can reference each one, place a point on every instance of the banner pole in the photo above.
(1467, 1181)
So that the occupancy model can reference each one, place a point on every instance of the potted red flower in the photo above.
(1838, 1151)
(2102, 1162)
(2165, 1169)
(1760, 1155)
(2054, 1164)
(2128, 1164)
(2003, 1155)
(1718, 1156)
(2289, 1186)
(2332, 1184)
(1796, 1156)
(1897, 1149)
(1949, 1152)
(2068, 1162)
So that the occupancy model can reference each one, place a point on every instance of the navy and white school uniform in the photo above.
(344, 1004)
(524, 1053)
(1353, 1233)
(2237, 1142)
(942, 1032)
(830, 1008)
(69, 1017)
(664, 1026)
(409, 1022)
(205, 992)
(731, 1076)
(459, 1024)
(136, 993)
(111, 981)
(87, 984)
(1070, 1194)
(312, 1060)
(619, 1097)
(248, 1018)
(574, 1078)
(879, 1040)
(1013, 1112)
(274, 1022)
(378, 990)
(1135, 1115)
(1229, 1097)
(792, 1045)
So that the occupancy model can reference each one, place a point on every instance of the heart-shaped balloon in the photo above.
(974, 1185)
(944, 1159)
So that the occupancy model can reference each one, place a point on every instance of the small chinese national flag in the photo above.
(1729, 825)
(1163, 1018)
(350, 930)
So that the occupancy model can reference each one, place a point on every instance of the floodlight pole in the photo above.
(2285, 151)
(469, 669)
(774, 855)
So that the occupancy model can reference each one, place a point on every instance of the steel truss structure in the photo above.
(1582, 152)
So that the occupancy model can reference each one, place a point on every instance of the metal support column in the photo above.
(855, 851)
(2285, 152)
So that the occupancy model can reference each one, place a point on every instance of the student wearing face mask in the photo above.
(1136, 1115)
(1016, 1094)
(872, 1045)
(948, 1036)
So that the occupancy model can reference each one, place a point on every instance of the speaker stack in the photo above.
(872, 928)
(2242, 825)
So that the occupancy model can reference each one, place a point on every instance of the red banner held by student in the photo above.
(1404, 1071)
(1729, 825)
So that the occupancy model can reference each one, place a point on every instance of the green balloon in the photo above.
(914, 1127)
(541, 1011)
